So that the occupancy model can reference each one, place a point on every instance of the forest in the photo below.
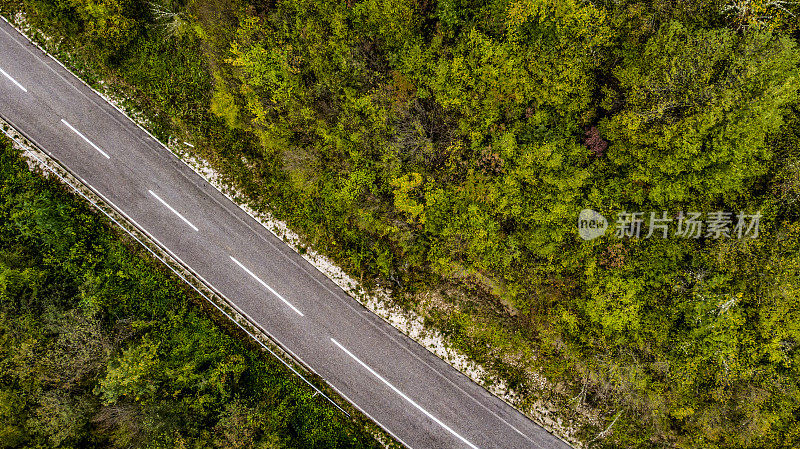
(445, 148)
(101, 347)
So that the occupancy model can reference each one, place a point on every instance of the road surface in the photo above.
(415, 396)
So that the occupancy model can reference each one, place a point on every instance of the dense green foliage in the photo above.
(450, 145)
(100, 348)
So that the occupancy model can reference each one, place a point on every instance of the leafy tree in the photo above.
(699, 106)
(109, 24)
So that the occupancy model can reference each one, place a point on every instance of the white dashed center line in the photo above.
(13, 81)
(266, 286)
(173, 210)
(402, 395)
(84, 138)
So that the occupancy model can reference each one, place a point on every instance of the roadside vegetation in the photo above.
(444, 149)
(101, 347)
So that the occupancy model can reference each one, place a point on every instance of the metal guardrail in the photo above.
(227, 308)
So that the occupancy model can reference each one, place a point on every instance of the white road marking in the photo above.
(173, 210)
(386, 429)
(154, 139)
(188, 144)
(84, 138)
(13, 81)
(402, 395)
(266, 286)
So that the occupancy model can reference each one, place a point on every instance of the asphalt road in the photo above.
(418, 398)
